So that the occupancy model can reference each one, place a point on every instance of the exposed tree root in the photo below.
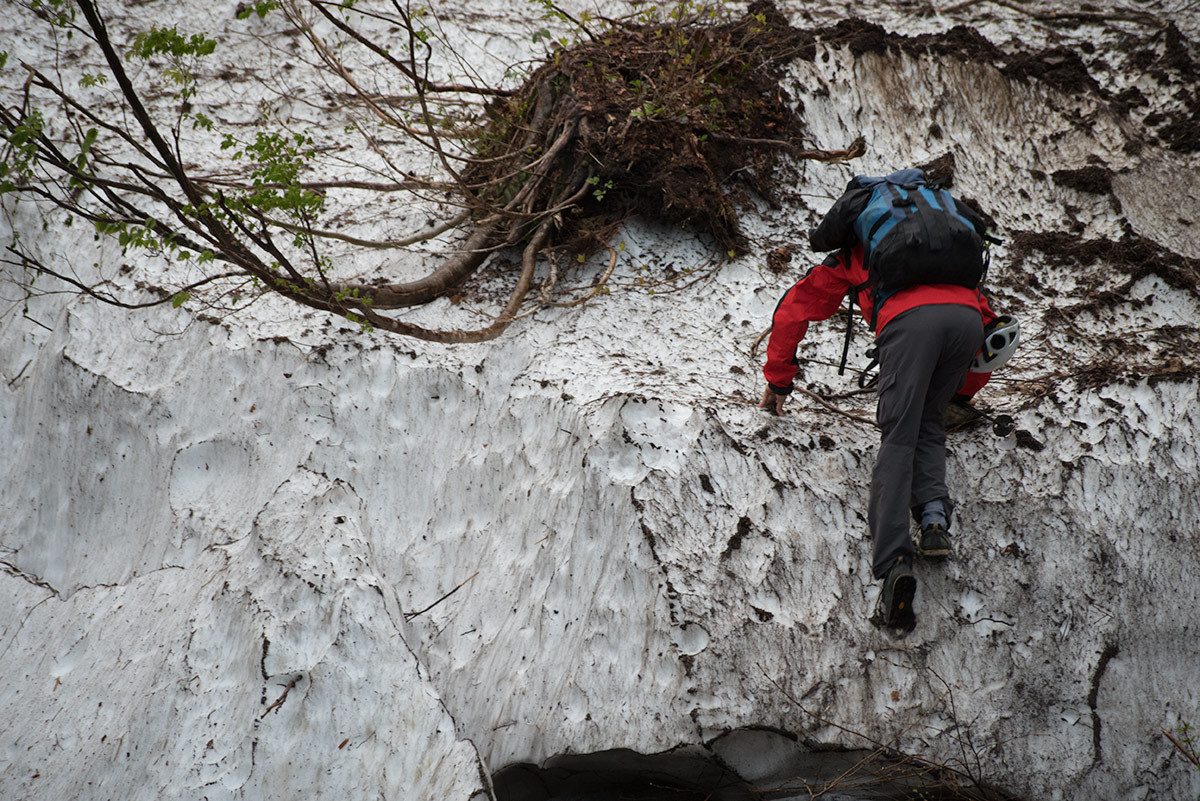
(659, 120)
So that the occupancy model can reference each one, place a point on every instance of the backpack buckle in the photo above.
(865, 379)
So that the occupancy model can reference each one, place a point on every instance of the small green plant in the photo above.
(552, 11)
(180, 51)
(1188, 736)
(278, 161)
(1187, 740)
(169, 42)
(261, 8)
(20, 151)
(599, 190)
(647, 111)
(61, 13)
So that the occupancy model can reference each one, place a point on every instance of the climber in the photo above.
(927, 330)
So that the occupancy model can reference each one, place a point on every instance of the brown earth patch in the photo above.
(679, 123)
(1133, 255)
(1094, 180)
(1155, 354)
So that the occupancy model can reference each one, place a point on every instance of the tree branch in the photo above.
(28, 261)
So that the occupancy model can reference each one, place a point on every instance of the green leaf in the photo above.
(168, 41)
(179, 299)
(261, 8)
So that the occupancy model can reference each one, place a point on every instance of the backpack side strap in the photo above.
(853, 295)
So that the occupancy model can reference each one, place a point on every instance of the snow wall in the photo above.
(272, 555)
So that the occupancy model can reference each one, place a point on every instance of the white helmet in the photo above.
(999, 342)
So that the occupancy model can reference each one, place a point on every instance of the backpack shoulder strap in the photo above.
(934, 224)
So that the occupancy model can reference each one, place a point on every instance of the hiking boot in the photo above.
(896, 598)
(959, 414)
(934, 542)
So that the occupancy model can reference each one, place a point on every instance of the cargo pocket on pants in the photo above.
(883, 405)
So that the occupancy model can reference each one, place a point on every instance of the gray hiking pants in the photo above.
(923, 357)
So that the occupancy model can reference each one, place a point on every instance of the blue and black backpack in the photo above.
(913, 233)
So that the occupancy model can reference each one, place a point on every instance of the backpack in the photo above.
(913, 233)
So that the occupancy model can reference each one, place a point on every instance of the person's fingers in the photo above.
(772, 402)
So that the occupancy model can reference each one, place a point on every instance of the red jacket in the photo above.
(818, 296)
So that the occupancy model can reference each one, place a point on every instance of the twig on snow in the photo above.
(855, 417)
(1182, 748)
(287, 688)
(411, 615)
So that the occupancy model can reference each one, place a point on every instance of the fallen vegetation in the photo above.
(675, 114)
(677, 118)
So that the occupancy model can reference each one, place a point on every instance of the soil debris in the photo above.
(1134, 255)
(940, 170)
(678, 122)
(1166, 56)
(779, 258)
(1094, 180)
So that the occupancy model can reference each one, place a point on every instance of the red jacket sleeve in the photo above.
(816, 296)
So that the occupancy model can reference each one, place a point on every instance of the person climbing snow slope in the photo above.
(928, 316)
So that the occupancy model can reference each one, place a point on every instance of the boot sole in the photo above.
(900, 614)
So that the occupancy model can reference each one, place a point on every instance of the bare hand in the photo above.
(772, 402)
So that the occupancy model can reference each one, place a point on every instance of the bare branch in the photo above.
(278, 702)
(1187, 752)
(91, 291)
(461, 584)
(418, 80)
(390, 244)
